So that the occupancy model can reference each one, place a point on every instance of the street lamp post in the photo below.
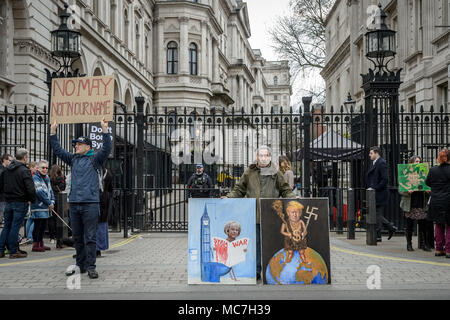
(65, 48)
(381, 98)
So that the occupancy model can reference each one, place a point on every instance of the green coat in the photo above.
(253, 185)
(405, 202)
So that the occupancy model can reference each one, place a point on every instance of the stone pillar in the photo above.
(210, 57)
(161, 68)
(241, 91)
(183, 51)
(215, 76)
(203, 62)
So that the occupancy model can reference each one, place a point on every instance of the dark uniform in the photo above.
(199, 186)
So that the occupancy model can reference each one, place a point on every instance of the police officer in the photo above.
(199, 184)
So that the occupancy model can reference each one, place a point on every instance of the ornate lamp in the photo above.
(380, 41)
(65, 42)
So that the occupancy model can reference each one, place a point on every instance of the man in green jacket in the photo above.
(261, 180)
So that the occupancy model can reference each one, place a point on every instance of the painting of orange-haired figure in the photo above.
(295, 241)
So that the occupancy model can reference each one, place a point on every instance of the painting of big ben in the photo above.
(221, 241)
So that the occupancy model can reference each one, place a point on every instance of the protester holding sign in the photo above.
(84, 194)
(414, 206)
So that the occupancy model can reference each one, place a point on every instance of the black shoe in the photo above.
(409, 247)
(72, 272)
(447, 255)
(92, 274)
(74, 256)
(391, 232)
(439, 254)
(258, 276)
(99, 253)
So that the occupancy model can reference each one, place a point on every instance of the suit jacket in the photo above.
(377, 178)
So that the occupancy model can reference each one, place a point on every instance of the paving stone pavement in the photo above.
(157, 263)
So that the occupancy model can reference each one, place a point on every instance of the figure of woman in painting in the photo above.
(233, 229)
(294, 231)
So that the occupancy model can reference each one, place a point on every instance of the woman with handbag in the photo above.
(414, 206)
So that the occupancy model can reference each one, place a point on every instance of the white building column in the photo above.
(203, 63)
(161, 68)
(183, 60)
(241, 91)
(215, 76)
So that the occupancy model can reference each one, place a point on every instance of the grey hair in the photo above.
(21, 154)
(264, 148)
(231, 224)
(42, 162)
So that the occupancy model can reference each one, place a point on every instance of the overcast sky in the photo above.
(262, 16)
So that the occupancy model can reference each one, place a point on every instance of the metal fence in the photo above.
(155, 151)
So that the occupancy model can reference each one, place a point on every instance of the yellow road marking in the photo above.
(442, 264)
(116, 245)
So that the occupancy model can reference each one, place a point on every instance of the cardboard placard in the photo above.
(412, 176)
(295, 241)
(222, 241)
(82, 99)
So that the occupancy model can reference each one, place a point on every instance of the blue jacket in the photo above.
(377, 178)
(84, 178)
(44, 197)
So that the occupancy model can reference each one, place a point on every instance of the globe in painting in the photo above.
(280, 270)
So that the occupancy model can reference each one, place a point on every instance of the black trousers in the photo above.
(52, 226)
(39, 229)
(382, 221)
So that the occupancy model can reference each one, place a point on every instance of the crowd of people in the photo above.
(28, 191)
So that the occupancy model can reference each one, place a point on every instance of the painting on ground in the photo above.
(295, 241)
(222, 241)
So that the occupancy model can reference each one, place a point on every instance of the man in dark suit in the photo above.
(377, 178)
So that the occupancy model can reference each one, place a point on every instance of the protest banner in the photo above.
(82, 99)
(412, 176)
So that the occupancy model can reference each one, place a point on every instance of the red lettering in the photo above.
(56, 84)
(56, 110)
(105, 107)
(85, 84)
(69, 109)
(67, 87)
(97, 85)
(106, 84)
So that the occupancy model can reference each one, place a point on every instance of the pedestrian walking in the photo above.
(58, 183)
(199, 184)
(377, 178)
(438, 180)
(415, 206)
(84, 194)
(106, 203)
(6, 160)
(41, 208)
(17, 186)
(261, 180)
(286, 170)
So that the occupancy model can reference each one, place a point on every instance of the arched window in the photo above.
(193, 70)
(172, 58)
(275, 80)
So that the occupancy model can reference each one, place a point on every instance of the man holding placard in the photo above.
(84, 194)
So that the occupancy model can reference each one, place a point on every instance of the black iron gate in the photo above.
(155, 152)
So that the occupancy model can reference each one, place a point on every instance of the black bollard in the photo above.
(351, 214)
(371, 221)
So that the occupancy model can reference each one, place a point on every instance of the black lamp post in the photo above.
(65, 47)
(381, 103)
